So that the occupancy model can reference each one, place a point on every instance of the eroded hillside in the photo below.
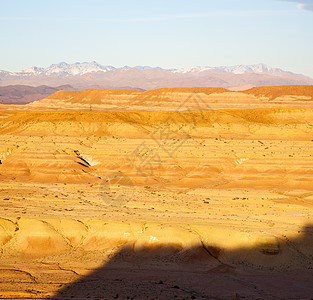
(125, 202)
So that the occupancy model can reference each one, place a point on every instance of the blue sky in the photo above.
(170, 34)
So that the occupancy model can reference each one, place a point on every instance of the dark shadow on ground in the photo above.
(267, 271)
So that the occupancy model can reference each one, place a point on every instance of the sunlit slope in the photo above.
(101, 122)
(99, 98)
(206, 192)
(261, 148)
(192, 98)
(273, 92)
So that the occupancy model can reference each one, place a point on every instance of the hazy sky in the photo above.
(171, 33)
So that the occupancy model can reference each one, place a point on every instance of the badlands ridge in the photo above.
(194, 193)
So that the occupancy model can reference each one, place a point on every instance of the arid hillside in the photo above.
(158, 194)
(178, 99)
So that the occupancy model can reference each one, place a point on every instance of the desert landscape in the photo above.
(187, 193)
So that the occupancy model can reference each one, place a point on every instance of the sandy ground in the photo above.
(157, 205)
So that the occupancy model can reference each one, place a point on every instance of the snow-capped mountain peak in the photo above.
(237, 69)
(64, 69)
(30, 71)
(257, 68)
(76, 68)
(94, 75)
(193, 70)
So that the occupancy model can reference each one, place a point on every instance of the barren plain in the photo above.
(187, 193)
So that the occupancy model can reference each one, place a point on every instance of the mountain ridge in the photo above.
(92, 75)
(79, 68)
(23, 94)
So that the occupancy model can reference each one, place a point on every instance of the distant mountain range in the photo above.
(78, 69)
(86, 75)
(23, 94)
